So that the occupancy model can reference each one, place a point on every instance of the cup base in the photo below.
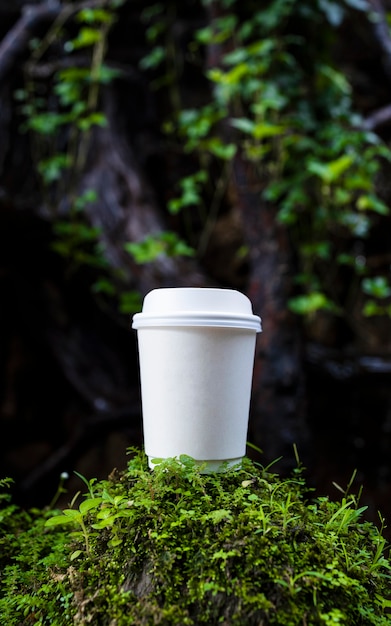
(206, 467)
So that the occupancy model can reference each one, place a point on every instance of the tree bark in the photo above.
(277, 420)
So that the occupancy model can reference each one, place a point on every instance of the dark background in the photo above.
(69, 382)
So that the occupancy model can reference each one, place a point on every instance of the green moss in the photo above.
(174, 546)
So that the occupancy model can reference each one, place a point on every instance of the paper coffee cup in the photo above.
(196, 352)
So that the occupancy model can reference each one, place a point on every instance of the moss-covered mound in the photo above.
(174, 546)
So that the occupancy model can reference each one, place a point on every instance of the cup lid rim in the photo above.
(197, 318)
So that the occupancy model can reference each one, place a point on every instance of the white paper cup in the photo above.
(196, 351)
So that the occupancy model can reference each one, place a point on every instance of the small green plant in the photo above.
(77, 517)
(174, 546)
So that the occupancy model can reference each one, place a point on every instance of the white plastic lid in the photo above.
(197, 306)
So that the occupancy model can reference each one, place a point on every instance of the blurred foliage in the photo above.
(274, 96)
(278, 100)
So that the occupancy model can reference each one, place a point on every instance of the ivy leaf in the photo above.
(372, 308)
(94, 119)
(244, 124)
(91, 16)
(51, 169)
(47, 123)
(130, 302)
(103, 285)
(331, 171)
(153, 59)
(307, 304)
(371, 203)
(262, 131)
(221, 150)
(378, 287)
(85, 38)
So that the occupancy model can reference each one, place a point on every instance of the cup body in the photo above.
(196, 367)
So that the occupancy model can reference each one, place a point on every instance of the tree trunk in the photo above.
(277, 413)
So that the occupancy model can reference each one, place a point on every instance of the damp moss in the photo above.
(177, 547)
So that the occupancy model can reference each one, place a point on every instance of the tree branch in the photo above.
(381, 117)
(16, 40)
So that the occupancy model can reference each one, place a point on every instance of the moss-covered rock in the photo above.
(175, 546)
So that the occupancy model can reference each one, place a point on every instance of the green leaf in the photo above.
(103, 285)
(156, 461)
(52, 169)
(47, 123)
(105, 513)
(94, 119)
(372, 308)
(310, 303)
(152, 11)
(86, 37)
(153, 59)
(72, 514)
(88, 505)
(384, 602)
(145, 251)
(59, 520)
(106, 74)
(372, 203)
(232, 77)
(216, 75)
(218, 516)
(68, 93)
(331, 171)
(236, 56)
(190, 186)
(262, 131)
(320, 249)
(130, 302)
(220, 149)
(378, 287)
(244, 124)
(113, 543)
(91, 16)
(174, 246)
(153, 246)
(73, 75)
(105, 523)
(175, 205)
(346, 259)
(89, 196)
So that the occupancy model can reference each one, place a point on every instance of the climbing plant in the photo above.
(272, 94)
(60, 107)
(278, 99)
